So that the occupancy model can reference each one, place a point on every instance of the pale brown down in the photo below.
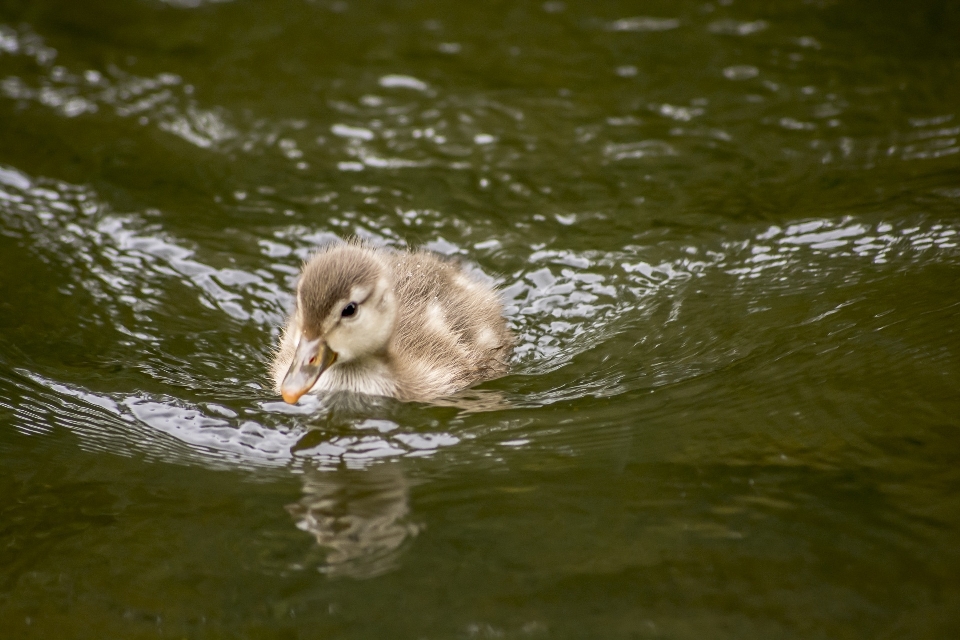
(449, 332)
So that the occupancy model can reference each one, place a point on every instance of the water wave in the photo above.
(562, 303)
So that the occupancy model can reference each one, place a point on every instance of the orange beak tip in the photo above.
(291, 397)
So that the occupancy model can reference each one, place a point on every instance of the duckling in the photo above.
(411, 325)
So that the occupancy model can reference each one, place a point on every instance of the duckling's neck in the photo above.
(372, 375)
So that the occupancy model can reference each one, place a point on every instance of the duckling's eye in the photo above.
(349, 310)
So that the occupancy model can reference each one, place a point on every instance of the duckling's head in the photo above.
(346, 311)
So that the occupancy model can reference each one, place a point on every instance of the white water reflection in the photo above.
(164, 99)
(271, 434)
(123, 260)
(397, 81)
(780, 249)
(730, 27)
(409, 127)
(641, 24)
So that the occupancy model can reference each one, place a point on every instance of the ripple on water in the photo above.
(121, 259)
(163, 100)
(639, 299)
(399, 124)
(270, 434)
(562, 304)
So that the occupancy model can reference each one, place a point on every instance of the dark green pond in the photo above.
(728, 238)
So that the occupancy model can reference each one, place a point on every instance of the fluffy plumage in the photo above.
(411, 325)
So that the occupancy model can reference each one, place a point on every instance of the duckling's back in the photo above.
(450, 331)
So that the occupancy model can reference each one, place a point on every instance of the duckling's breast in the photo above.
(372, 377)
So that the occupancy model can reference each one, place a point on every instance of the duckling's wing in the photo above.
(451, 330)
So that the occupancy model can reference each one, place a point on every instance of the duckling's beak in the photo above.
(312, 358)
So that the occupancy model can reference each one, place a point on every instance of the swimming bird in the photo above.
(412, 325)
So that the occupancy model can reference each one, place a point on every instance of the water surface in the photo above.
(726, 235)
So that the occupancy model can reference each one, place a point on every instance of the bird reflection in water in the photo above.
(361, 516)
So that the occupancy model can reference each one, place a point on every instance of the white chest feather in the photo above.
(373, 379)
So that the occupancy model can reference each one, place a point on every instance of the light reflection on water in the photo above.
(562, 303)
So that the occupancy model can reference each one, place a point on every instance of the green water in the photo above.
(726, 235)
